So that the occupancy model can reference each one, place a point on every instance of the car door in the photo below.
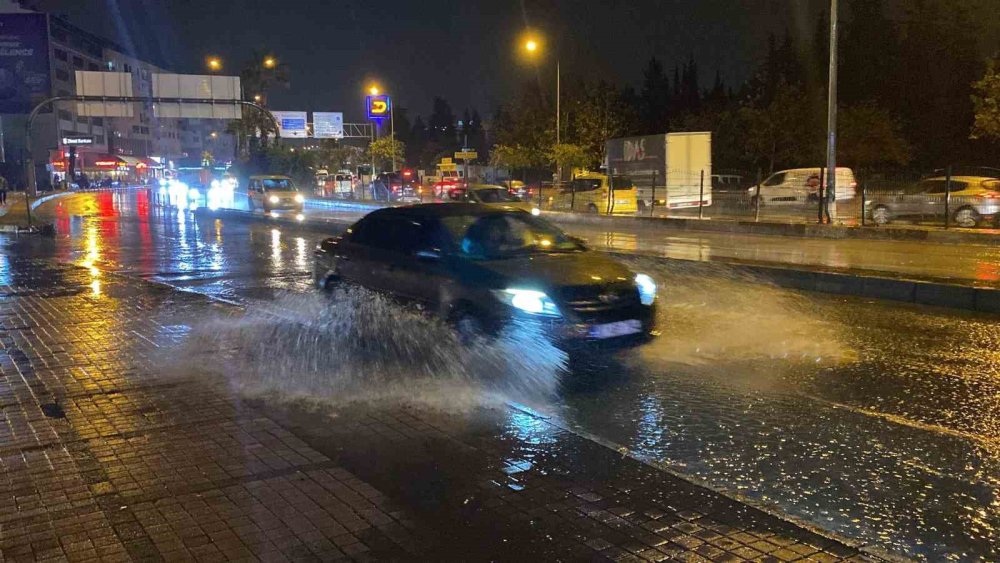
(771, 189)
(404, 258)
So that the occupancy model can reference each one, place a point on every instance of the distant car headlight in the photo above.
(529, 301)
(193, 193)
(215, 184)
(299, 198)
(536, 211)
(274, 199)
(647, 289)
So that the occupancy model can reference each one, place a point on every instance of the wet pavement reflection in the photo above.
(876, 420)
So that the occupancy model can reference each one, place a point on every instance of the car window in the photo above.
(586, 185)
(940, 186)
(278, 184)
(504, 235)
(775, 180)
(398, 234)
(620, 182)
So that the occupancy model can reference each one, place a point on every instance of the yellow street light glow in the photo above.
(270, 62)
(531, 45)
(213, 63)
(373, 90)
(257, 97)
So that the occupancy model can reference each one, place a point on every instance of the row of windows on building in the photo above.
(80, 64)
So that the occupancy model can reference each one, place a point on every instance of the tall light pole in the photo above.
(831, 119)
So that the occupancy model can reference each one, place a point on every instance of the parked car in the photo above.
(800, 186)
(592, 192)
(486, 270)
(974, 200)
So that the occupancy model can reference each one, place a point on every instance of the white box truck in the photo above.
(673, 170)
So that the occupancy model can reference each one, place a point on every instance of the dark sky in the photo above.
(461, 50)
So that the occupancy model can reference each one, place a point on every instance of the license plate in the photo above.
(611, 330)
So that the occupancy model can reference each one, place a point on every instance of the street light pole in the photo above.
(392, 133)
(831, 119)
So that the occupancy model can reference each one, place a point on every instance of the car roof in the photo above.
(271, 177)
(814, 169)
(425, 210)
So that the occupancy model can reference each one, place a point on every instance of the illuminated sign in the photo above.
(328, 125)
(77, 140)
(378, 106)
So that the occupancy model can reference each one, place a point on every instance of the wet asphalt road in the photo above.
(876, 420)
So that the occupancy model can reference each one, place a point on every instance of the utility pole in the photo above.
(831, 119)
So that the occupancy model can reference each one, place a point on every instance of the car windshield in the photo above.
(278, 185)
(505, 235)
(495, 195)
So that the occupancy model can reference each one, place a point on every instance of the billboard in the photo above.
(291, 124)
(24, 62)
(328, 125)
(104, 84)
(197, 87)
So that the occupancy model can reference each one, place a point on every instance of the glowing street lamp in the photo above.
(373, 90)
(270, 62)
(214, 64)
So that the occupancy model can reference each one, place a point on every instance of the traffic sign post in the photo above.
(465, 155)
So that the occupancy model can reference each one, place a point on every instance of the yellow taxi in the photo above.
(592, 192)
(494, 196)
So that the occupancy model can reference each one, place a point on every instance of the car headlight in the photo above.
(536, 211)
(529, 301)
(299, 198)
(274, 199)
(193, 193)
(647, 289)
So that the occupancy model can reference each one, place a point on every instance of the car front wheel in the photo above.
(880, 215)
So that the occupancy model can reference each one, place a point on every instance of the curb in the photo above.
(937, 294)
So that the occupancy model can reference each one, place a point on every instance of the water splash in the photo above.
(360, 346)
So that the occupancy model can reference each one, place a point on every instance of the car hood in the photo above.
(549, 271)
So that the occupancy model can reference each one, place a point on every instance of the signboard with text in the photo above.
(291, 124)
(379, 107)
(24, 62)
(466, 155)
(328, 125)
(77, 140)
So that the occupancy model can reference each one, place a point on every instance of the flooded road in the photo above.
(876, 420)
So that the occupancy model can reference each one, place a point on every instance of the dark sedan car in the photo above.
(483, 268)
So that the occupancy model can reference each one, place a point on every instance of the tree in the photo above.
(569, 156)
(655, 97)
(381, 150)
(601, 113)
(254, 127)
(986, 104)
(784, 133)
(870, 137)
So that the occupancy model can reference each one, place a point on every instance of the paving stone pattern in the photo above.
(103, 458)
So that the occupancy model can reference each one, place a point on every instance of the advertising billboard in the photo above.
(24, 62)
(291, 124)
(328, 125)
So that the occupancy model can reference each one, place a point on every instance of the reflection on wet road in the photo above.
(877, 420)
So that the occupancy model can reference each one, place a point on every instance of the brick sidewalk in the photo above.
(102, 458)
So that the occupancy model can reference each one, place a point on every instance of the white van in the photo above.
(801, 185)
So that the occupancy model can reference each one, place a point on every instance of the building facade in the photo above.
(123, 148)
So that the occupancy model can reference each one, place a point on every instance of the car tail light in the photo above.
(853, 184)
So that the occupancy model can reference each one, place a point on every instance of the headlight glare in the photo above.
(274, 199)
(529, 301)
(647, 289)
(299, 198)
